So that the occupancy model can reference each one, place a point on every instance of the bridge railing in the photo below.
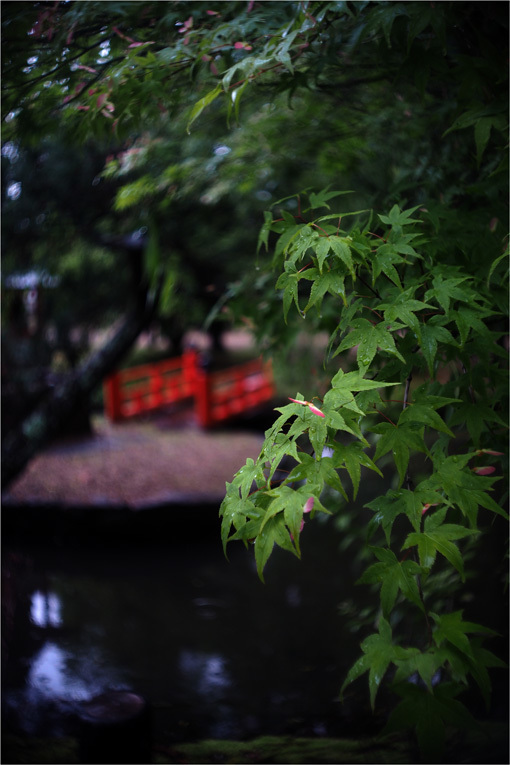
(129, 392)
(225, 394)
(217, 396)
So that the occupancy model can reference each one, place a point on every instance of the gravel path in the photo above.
(136, 464)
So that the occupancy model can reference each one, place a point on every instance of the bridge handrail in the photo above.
(217, 395)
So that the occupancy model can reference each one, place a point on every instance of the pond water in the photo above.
(216, 652)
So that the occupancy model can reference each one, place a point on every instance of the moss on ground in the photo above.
(488, 744)
(277, 749)
(27, 749)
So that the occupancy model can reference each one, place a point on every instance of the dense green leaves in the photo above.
(428, 714)
(416, 316)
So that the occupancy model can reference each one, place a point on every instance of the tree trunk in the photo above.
(45, 421)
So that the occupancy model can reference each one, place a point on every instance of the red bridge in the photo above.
(217, 395)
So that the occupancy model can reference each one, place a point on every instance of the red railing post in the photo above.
(156, 388)
(112, 399)
(189, 371)
(203, 397)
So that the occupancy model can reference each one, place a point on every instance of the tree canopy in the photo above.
(212, 111)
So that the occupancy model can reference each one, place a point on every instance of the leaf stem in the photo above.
(385, 416)
(373, 311)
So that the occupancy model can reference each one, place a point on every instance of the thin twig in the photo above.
(406, 392)
(372, 289)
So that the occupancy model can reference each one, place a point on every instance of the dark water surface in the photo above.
(161, 612)
(216, 652)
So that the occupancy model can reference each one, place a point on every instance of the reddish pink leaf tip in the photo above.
(484, 470)
(316, 411)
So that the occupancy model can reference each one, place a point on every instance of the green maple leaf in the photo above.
(378, 653)
(369, 338)
(251, 472)
(423, 413)
(332, 282)
(265, 231)
(469, 500)
(403, 306)
(201, 104)
(354, 381)
(284, 241)
(475, 664)
(282, 518)
(384, 260)
(468, 320)
(447, 289)
(274, 449)
(286, 413)
(336, 420)
(402, 502)
(322, 198)
(427, 714)
(307, 470)
(425, 663)
(245, 516)
(462, 487)
(483, 658)
(340, 246)
(317, 471)
(273, 533)
(341, 396)
(400, 242)
(327, 471)
(431, 334)
(322, 248)
(290, 503)
(451, 628)
(289, 282)
(457, 662)
(398, 217)
(438, 536)
(475, 415)
(386, 509)
(300, 244)
(348, 315)
(352, 457)
(399, 440)
(317, 431)
(394, 575)
(234, 511)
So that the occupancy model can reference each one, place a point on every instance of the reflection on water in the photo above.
(216, 652)
(206, 674)
(45, 609)
(61, 675)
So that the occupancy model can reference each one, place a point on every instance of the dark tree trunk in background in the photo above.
(47, 419)
(64, 403)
